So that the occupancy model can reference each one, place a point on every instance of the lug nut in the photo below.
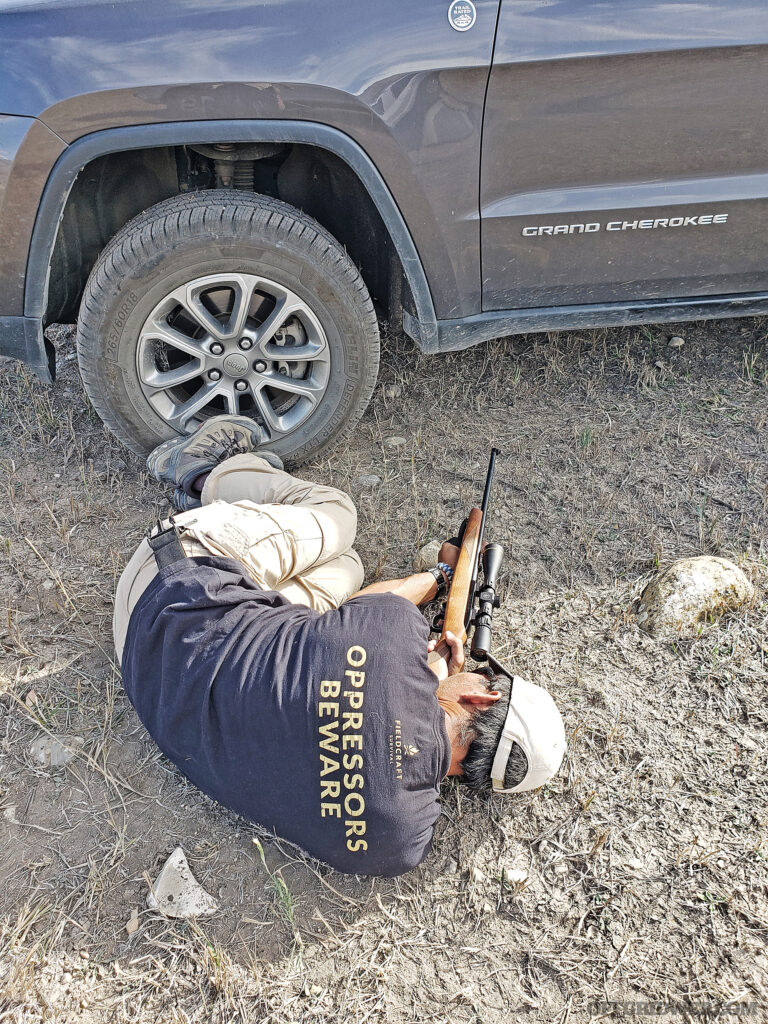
(241, 385)
(217, 348)
(259, 366)
(214, 374)
(245, 344)
(283, 370)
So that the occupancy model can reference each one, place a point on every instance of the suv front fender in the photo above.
(422, 326)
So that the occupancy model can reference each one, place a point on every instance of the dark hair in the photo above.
(485, 727)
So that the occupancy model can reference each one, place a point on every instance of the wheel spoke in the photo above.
(158, 330)
(161, 380)
(268, 414)
(294, 386)
(184, 412)
(242, 290)
(285, 306)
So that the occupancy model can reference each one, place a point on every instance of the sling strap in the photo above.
(166, 544)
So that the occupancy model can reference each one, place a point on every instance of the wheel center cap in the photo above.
(235, 364)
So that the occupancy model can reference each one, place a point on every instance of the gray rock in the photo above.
(367, 482)
(427, 556)
(676, 341)
(393, 391)
(690, 592)
(176, 893)
(396, 442)
(55, 751)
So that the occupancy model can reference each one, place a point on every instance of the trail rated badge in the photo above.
(462, 15)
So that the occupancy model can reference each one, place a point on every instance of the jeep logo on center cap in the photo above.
(462, 15)
(236, 364)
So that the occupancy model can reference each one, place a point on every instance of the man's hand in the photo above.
(456, 660)
(449, 554)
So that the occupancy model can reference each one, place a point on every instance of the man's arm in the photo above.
(418, 588)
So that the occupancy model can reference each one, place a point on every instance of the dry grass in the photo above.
(645, 857)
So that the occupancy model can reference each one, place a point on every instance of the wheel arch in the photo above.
(162, 141)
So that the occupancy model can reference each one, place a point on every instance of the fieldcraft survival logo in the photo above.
(699, 220)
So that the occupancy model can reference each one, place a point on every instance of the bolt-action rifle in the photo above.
(468, 607)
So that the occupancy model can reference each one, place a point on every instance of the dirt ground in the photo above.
(645, 859)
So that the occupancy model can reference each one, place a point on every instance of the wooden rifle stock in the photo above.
(458, 604)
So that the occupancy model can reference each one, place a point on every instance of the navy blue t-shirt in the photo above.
(322, 727)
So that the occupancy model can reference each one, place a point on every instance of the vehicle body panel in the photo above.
(29, 159)
(598, 114)
(399, 81)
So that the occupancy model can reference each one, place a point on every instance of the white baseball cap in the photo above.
(535, 724)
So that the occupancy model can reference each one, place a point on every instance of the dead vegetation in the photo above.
(638, 875)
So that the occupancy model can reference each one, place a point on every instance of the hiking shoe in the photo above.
(184, 502)
(182, 460)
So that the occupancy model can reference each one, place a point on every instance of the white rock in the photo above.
(635, 864)
(689, 592)
(475, 874)
(176, 893)
(427, 556)
(367, 481)
(514, 876)
(395, 442)
(676, 341)
(393, 391)
(132, 925)
(55, 751)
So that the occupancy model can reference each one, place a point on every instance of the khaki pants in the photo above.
(292, 536)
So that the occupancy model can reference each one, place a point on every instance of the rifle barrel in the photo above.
(484, 510)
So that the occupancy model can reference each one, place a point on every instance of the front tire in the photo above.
(219, 302)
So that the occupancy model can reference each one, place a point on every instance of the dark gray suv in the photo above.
(219, 193)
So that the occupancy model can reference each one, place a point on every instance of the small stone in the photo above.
(55, 751)
(676, 341)
(488, 909)
(560, 867)
(48, 584)
(133, 922)
(84, 954)
(367, 481)
(476, 875)
(689, 592)
(393, 391)
(452, 866)
(9, 813)
(315, 990)
(396, 442)
(176, 893)
(427, 556)
(514, 876)
(659, 364)
(635, 864)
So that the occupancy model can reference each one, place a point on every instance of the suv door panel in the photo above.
(622, 126)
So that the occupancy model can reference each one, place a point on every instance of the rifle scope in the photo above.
(487, 601)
